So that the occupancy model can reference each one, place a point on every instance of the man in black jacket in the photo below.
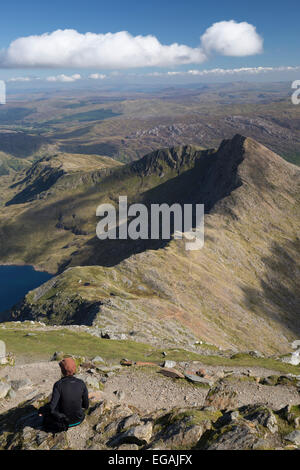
(69, 397)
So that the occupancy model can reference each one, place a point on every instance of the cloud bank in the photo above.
(221, 72)
(70, 49)
(193, 72)
(64, 78)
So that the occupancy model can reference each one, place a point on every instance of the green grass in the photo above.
(245, 360)
(44, 343)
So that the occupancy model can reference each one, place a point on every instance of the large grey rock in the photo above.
(293, 359)
(200, 380)
(260, 415)
(236, 437)
(183, 435)
(57, 356)
(4, 389)
(98, 359)
(139, 434)
(173, 373)
(132, 420)
(2, 350)
(170, 364)
(90, 381)
(294, 437)
(21, 384)
(107, 334)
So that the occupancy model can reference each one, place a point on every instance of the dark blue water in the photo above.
(16, 281)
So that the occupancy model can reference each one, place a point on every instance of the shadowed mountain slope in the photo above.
(241, 289)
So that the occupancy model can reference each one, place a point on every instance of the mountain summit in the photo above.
(242, 289)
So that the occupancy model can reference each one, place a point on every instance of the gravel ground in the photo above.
(148, 390)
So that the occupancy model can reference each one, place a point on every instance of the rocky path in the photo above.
(144, 407)
(146, 388)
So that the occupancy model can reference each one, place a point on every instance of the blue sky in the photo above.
(277, 23)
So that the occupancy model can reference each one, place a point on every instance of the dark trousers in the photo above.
(53, 422)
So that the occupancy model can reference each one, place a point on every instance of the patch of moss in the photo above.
(193, 416)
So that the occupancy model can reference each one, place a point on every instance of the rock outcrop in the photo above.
(111, 426)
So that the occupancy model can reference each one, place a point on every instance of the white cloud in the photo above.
(64, 78)
(97, 76)
(220, 71)
(69, 48)
(20, 79)
(243, 70)
(230, 38)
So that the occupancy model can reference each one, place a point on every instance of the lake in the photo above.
(16, 281)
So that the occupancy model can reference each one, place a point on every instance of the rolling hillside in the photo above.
(241, 289)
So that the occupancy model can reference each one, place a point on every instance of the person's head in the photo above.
(68, 366)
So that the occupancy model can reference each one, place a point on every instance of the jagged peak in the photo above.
(174, 158)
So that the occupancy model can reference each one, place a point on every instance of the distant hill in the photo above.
(242, 289)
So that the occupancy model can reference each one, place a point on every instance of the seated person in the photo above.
(69, 397)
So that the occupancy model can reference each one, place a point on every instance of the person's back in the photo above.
(69, 397)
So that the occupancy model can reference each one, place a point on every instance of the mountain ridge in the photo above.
(241, 290)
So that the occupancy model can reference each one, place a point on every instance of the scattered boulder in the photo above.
(294, 437)
(261, 415)
(98, 359)
(22, 384)
(169, 364)
(126, 362)
(199, 380)
(273, 380)
(107, 334)
(2, 351)
(4, 389)
(172, 373)
(11, 394)
(256, 354)
(236, 436)
(133, 420)
(221, 397)
(90, 381)
(57, 356)
(293, 358)
(139, 435)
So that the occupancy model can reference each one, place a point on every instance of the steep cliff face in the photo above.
(242, 289)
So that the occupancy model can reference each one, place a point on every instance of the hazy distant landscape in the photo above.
(129, 125)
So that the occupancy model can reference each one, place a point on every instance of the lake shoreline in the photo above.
(16, 280)
(37, 268)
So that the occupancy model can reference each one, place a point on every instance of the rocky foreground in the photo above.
(146, 406)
